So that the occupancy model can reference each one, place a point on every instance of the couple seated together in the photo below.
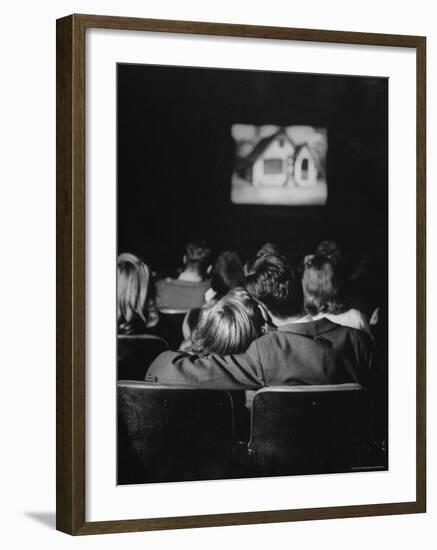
(282, 328)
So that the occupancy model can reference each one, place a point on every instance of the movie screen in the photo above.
(279, 165)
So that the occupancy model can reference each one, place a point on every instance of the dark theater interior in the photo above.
(175, 162)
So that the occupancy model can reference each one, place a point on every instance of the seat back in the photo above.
(136, 353)
(308, 429)
(173, 434)
(172, 321)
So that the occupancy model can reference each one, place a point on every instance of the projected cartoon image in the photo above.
(279, 165)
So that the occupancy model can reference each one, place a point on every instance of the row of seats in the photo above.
(181, 434)
(136, 352)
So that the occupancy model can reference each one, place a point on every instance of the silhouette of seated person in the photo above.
(136, 310)
(138, 323)
(313, 352)
(187, 290)
(368, 290)
(324, 295)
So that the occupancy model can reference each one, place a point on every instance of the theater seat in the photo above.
(173, 434)
(172, 321)
(308, 429)
(136, 353)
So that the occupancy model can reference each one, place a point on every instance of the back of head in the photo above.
(133, 279)
(197, 257)
(269, 248)
(274, 282)
(332, 250)
(228, 326)
(322, 286)
(228, 273)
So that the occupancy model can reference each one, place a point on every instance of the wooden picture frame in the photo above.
(71, 254)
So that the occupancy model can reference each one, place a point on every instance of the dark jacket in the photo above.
(317, 352)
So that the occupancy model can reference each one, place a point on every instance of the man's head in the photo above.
(269, 248)
(197, 258)
(273, 282)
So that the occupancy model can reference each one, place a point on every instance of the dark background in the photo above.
(175, 159)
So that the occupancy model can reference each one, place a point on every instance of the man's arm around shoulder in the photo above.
(230, 372)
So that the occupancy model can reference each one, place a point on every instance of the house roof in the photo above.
(261, 146)
(300, 147)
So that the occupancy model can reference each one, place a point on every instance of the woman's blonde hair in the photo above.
(228, 326)
(133, 280)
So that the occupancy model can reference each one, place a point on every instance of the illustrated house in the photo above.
(276, 161)
(270, 162)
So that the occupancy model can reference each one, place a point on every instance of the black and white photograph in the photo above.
(252, 274)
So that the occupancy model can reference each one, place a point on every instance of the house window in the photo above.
(304, 169)
(272, 166)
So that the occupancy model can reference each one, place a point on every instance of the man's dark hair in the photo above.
(269, 248)
(198, 257)
(276, 284)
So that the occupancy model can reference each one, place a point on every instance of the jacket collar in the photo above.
(310, 328)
